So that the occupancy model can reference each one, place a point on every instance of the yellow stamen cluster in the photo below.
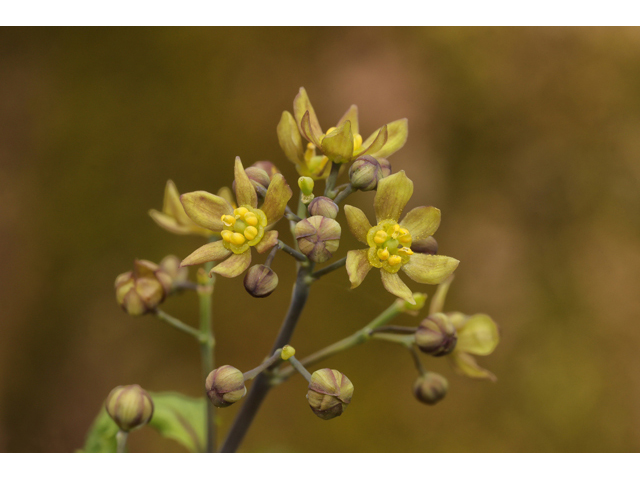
(392, 244)
(240, 227)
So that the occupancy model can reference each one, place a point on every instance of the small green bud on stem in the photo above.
(329, 393)
(130, 406)
(367, 171)
(324, 207)
(225, 386)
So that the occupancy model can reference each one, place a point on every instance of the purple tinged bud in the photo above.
(225, 386)
(430, 388)
(142, 289)
(130, 406)
(329, 393)
(367, 171)
(318, 237)
(324, 207)
(436, 335)
(260, 281)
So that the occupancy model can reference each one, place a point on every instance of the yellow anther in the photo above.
(251, 219)
(310, 152)
(228, 220)
(240, 212)
(287, 352)
(237, 238)
(405, 238)
(250, 233)
(226, 235)
(384, 254)
(394, 260)
(406, 250)
(330, 130)
(357, 141)
(380, 237)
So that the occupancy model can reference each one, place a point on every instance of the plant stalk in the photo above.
(207, 346)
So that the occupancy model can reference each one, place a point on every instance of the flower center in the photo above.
(243, 229)
(390, 246)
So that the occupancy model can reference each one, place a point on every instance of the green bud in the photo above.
(318, 237)
(260, 281)
(427, 245)
(225, 386)
(306, 185)
(329, 393)
(143, 289)
(324, 207)
(130, 406)
(367, 171)
(436, 335)
(430, 388)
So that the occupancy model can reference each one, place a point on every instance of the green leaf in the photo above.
(175, 416)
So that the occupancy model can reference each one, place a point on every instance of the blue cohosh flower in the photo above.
(240, 228)
(390, 242)
(340, 144)
(477, 335)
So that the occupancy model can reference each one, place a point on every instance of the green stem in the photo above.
(207, 346)
(331, 180)
(334, 266)
(406, 340)
(343, 194)
(417, 361)
(121, 440)
(294, 253)
(300, 368)
(395, 329)
(357, 338)
(437, 302)
(175, 323)
(263, 366)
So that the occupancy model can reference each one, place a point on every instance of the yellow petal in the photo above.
(234, 265)
(358, 223)
(290, 139)
(421, 222)
(206, 209)
(211, 252)
(396, 286)
(478, 336)
(392, 195)
(170, 223)
(431, 269)
(351, 115)
(269, 241)
(171, 203)
(245, 193)
(276, 199)
(301, 107)
(397, 133)
(338, 145)
(466, 365)
(374, 142)
(357, 266)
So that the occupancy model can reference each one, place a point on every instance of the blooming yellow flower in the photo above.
(241, 227)
(390, 242)
(340, 144)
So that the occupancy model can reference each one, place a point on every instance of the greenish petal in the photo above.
(206, 209)
(290, 139)
(269, 241)
(478, 336)
(276, 199)
(171, 203)
(431, 269)
(169, 223)
(234, 265)
(466, 365)
(421, 222)
(310, 127)
(357, 266)
(227, 194)
(338, 145)
(211, 252)
(396, 286)
(392, 195)
(374, 142)
(351, 115)
(397, 133)
(358, 223)
(245, 193)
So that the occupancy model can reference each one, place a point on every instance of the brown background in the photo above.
(526, 139)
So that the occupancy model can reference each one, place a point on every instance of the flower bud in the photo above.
(171, 266)
(143, 289)
(130, 406)
(324, 207)
(366, 172)
(267, 166)
(318, 237)
(225, 386)
(430, 388)
(427, 245)
(329, 393)
(260, 281)
(436, 335)
(412, 309)
(306, 185)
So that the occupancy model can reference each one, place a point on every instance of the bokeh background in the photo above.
(526, 139)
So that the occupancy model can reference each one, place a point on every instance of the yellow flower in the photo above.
(390, 242)
(241, 227)
(340, 144)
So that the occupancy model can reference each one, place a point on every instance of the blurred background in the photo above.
(526, 139)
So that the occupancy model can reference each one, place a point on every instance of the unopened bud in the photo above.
(143, 289)
(366, 172)
(267, 166)
(306, 185)
(318, 237)
(171, 266)
(430, 388)
(329, 393)
(324, 207)
(411, 309)
(260, 281)
(436, 335)
(130, 406)
(428, 245)
(225, 386)
(287, 352)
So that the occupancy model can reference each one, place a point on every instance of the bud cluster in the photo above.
(145, 287)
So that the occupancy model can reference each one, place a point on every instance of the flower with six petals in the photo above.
(390, 242)
(242, 227)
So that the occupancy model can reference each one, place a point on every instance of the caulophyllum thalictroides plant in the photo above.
(247, 217)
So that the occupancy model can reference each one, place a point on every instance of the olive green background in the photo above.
(526, 139)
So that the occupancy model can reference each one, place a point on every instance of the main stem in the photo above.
(207, 345)
(261, 384)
